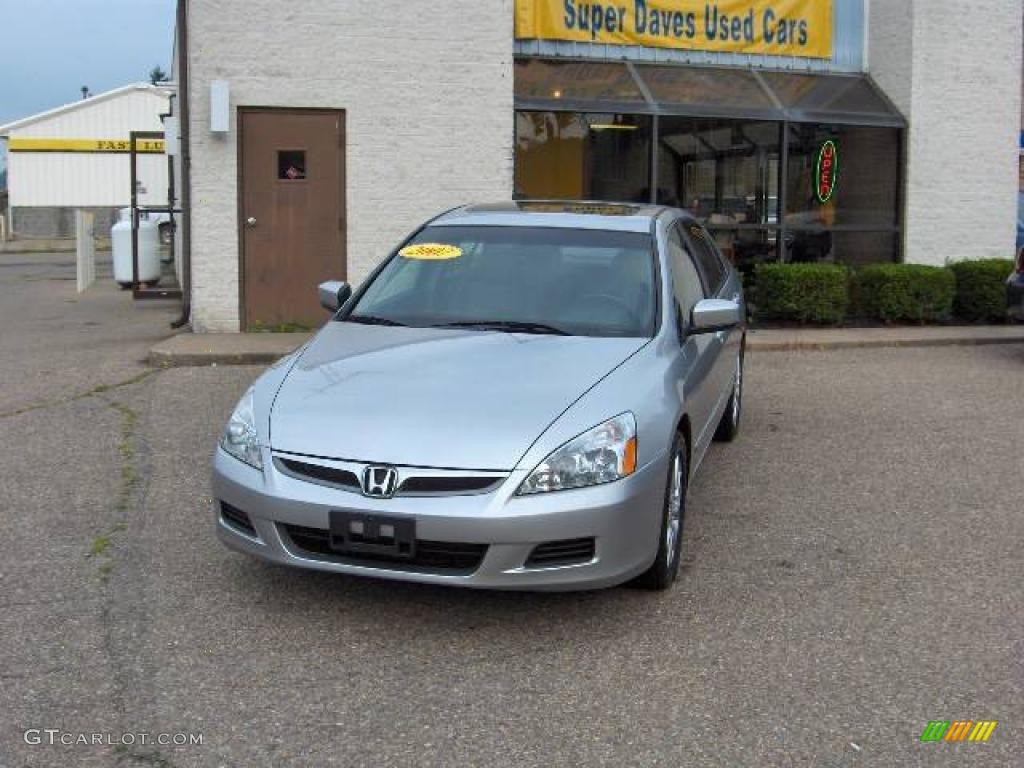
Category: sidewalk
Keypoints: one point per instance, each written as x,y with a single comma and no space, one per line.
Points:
195,349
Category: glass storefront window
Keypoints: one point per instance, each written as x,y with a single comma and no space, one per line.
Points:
864,195
585,130
583,156
726,173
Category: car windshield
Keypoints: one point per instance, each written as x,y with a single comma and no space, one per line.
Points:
517,279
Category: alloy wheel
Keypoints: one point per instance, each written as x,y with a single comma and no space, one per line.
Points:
737,392
674,510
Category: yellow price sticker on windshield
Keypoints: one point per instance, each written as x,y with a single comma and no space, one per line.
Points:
430,251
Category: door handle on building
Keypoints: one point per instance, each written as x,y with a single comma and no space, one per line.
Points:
251,221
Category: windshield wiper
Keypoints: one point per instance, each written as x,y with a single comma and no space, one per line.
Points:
507,326
371,320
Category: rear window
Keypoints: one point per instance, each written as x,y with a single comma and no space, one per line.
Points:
580,282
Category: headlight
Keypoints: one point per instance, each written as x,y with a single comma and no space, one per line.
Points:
603,454
239,438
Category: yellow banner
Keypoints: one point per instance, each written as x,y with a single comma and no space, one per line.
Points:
84,145
772,27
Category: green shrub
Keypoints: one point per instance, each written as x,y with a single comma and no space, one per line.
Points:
907,293
805,293
981,289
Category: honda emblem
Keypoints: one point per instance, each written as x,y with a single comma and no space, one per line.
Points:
380,482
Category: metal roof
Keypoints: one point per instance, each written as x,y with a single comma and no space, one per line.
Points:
586,85
81,103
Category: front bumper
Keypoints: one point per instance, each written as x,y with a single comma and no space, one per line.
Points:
1015,297
623,518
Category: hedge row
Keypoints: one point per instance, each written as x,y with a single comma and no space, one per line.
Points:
828,294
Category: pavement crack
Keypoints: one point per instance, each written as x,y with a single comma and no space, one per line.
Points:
99,389
101,543
123,616
144,758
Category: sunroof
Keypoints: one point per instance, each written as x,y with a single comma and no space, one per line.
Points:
592,209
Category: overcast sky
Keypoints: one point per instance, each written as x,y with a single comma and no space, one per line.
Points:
49,49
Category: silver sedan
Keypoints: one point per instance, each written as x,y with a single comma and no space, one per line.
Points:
517,398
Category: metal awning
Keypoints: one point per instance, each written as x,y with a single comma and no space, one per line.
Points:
571,85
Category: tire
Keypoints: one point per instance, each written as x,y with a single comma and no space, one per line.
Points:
663,571
729,426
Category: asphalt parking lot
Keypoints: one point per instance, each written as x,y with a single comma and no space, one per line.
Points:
853,571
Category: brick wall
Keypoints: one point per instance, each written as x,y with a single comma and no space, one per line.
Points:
953,67
429,115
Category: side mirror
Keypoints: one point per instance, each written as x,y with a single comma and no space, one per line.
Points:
712,315
333,294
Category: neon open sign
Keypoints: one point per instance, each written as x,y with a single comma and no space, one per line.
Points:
826,172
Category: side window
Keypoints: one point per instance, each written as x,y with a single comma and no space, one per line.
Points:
711,267
686,283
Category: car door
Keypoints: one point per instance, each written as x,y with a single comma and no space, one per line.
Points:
694,370
715,278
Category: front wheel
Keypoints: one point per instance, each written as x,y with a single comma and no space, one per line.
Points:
662,573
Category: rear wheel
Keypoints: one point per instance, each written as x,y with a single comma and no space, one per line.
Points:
665,567
729,426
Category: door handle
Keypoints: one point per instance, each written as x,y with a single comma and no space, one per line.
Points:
251,221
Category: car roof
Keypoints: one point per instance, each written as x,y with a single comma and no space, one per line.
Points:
568,214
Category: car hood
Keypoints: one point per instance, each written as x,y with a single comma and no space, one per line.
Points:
433,397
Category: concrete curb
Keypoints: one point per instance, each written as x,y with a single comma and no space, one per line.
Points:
856,338
198,349
201,349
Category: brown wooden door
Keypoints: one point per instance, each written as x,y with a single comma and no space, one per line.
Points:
292,211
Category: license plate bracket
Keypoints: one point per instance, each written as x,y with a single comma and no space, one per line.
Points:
359,533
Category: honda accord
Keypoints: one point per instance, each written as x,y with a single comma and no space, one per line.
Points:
517,398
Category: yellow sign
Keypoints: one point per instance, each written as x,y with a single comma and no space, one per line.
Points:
430,251
84,145
771,27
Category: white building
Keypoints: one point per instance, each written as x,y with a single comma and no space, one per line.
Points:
319,135
77,157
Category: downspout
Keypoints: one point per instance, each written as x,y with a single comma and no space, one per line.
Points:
184,132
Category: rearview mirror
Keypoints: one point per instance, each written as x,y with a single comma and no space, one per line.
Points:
333,294
712,315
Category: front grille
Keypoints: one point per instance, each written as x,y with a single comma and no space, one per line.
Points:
447,557
319,473
422,485
566,552
447,485
237,519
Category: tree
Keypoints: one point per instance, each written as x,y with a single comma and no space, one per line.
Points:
157,75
